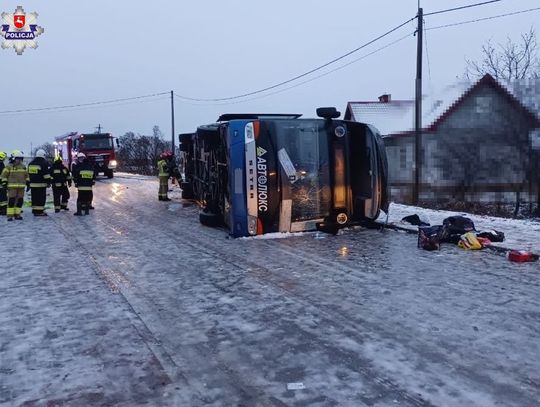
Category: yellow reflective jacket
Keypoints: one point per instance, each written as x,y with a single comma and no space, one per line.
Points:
15,176
163,168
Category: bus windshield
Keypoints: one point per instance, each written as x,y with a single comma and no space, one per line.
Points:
305,171
101,143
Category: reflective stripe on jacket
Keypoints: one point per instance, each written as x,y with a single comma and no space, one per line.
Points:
84,175
39,173
163,168
60,174
15,176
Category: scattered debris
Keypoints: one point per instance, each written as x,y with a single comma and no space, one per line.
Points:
521,256
295,386
468,241
416,220
492,235
429,237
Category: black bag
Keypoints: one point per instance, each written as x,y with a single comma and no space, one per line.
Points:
414,220
429,237
454,227
492,235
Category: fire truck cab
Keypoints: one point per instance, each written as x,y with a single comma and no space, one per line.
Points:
98,148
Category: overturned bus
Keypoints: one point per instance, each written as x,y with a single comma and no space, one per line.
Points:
264,173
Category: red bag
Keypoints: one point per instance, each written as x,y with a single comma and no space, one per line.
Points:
521,256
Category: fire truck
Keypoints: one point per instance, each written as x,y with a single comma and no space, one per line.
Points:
98,148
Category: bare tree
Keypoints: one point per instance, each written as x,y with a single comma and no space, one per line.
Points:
139,153
508,61
48,148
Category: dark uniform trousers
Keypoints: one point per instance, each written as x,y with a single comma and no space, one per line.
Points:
84,200
60,196
3,200
39,196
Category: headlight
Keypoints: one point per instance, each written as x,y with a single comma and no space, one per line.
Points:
113,164
252,225
249,132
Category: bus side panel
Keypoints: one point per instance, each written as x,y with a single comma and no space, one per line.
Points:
237,179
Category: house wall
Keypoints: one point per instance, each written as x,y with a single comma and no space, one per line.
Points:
480,153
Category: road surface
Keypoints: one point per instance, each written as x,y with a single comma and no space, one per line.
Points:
138,304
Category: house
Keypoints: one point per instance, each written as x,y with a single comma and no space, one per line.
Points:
478,143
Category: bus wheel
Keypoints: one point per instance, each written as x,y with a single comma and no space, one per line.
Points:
209,219
187,190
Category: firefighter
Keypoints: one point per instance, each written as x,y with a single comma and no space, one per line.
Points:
174,170
15,178
164,174
84,177
3,191
61,179
39,172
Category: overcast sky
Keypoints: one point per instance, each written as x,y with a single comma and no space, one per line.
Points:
102,50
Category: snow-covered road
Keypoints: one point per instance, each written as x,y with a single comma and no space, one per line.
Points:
137,304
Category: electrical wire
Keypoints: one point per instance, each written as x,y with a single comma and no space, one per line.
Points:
74,108
483,19
81,104
427,59
306,81
461,8
301,75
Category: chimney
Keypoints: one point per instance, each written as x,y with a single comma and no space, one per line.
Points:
386,98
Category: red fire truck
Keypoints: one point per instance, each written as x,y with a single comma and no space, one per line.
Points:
98,148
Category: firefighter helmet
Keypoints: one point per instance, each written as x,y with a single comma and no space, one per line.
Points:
17,154
2,156
81,155
41,153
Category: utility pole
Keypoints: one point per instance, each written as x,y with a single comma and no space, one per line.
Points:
172,122
98,129
418,110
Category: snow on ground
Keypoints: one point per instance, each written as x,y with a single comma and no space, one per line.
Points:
138,304
519,234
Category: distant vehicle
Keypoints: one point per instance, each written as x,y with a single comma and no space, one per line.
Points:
263,173
98,148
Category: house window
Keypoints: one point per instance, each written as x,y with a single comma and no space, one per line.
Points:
483,104
403,157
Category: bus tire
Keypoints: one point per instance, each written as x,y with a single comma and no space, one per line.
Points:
210,219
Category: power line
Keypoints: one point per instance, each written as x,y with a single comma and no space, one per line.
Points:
309,80
81,104
484,19
301,75
427,59
92,107
461,8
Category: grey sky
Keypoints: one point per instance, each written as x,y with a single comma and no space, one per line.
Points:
101,50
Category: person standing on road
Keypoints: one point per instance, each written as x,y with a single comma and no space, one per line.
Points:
14,179
39,172
84,177
163,174
3,191
174,171
61,178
